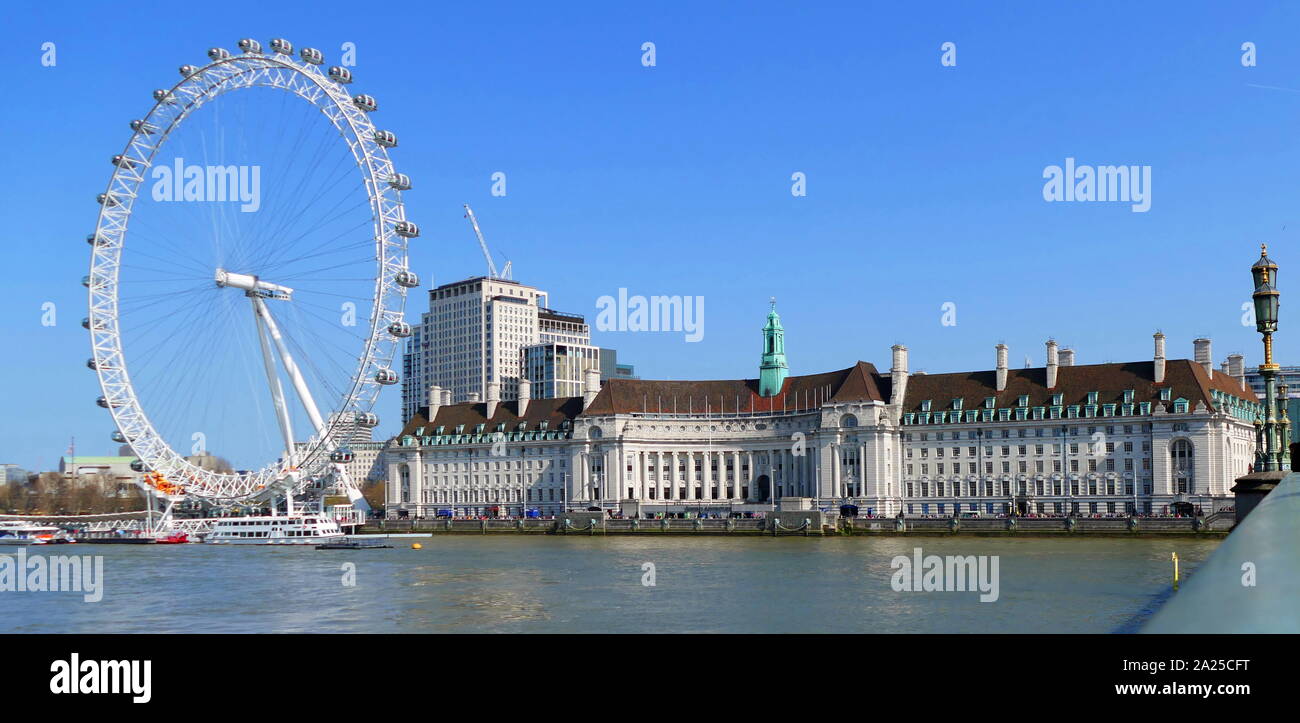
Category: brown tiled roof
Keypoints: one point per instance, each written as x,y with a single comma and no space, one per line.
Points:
626,396
1186,378
470,414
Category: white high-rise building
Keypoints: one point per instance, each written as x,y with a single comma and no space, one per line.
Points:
474,334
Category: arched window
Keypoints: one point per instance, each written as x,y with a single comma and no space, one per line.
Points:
848,420
406,483
1180,453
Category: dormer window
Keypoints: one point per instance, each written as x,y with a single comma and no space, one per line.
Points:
1024,400
925,405
1128,396
956,403
460,429
478,428
542,425
1092,397
989,402
1165,394
438,430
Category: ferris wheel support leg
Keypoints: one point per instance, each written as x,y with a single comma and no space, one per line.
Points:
277,391
291,368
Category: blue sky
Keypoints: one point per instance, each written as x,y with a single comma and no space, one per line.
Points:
924,182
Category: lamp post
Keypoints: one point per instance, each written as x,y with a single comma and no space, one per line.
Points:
1272,454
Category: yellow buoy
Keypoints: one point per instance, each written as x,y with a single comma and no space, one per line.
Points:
416,546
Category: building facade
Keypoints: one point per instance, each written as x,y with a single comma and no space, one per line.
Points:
475,333
559,369
1156,436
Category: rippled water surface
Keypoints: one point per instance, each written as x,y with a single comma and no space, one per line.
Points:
594,584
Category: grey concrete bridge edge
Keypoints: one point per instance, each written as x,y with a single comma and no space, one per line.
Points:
1217,598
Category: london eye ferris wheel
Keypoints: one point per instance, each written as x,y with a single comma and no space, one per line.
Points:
248,274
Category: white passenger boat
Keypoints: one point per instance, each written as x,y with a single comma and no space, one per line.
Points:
18,532
311,528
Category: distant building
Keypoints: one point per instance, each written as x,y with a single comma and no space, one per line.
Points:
1289,376
472,334
114,468
479,332
559,370
611,369
13,474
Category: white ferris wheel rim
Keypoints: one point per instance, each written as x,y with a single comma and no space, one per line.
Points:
202,84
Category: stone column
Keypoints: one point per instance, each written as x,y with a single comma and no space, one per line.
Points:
690,474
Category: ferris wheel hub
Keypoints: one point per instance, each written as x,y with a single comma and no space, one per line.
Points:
253,286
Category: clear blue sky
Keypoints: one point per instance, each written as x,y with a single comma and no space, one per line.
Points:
924,183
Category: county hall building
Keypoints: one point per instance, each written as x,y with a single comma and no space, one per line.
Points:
1155,436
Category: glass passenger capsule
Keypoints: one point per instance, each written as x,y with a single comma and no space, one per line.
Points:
407,279
282,46
386,376
399,329
248,45
400,181
406,229
339,74
311,55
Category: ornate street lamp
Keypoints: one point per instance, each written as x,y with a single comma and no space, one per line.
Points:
1271,453
1272,431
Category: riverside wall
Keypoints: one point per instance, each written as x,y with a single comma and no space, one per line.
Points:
578,523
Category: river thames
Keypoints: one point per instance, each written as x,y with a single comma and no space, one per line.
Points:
573,584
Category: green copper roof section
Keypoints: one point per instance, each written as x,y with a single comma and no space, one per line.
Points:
773,369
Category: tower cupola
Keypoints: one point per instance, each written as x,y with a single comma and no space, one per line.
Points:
773,369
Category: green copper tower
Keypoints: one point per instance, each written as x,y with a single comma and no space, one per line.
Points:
773,370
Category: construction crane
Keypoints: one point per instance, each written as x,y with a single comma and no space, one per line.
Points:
482,244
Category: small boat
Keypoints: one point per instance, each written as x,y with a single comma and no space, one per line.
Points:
17,532
346,544
172,538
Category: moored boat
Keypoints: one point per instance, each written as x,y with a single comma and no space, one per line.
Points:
18,532
312,528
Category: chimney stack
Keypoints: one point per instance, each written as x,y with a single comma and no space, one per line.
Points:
525,395
435,401
1159,358
1052,363
1067,357
1204,357
446,397
472,397
1002,367
1237,368
590,387
493,398
898,376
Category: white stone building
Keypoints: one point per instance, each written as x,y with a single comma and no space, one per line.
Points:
1155,436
